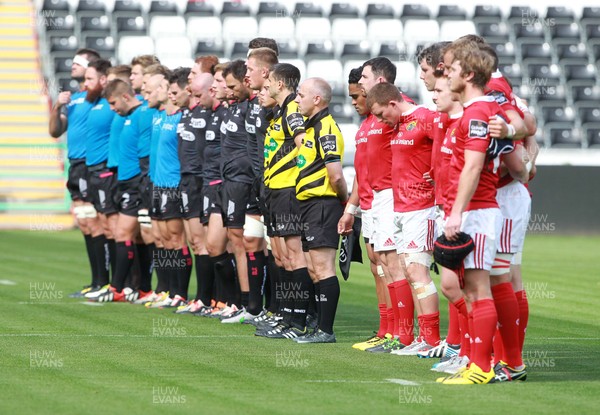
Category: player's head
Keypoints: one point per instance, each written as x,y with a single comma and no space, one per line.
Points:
179,94
201,89
314,95
283,80
431,62
156,89
154,69
444,99
122,72
95,79
383,100
120,96
138,64
259,64
356,93
263,42
466,63
203,64
219,87
379,69
235,79
83,57
264,96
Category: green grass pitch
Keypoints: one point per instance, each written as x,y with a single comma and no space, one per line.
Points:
60,356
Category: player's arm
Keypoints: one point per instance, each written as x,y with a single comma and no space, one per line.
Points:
515,163
337,180
467,184
299,138
347,220
515,130
58,120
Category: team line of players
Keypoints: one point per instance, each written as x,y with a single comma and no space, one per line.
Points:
204,159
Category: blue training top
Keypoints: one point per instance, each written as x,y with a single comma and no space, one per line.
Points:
146,116
167,172
129,162
77,113
98,124
157,121
113,142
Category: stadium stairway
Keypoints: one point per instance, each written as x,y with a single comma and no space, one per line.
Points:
32,190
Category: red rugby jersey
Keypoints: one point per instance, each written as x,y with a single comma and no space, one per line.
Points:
365,194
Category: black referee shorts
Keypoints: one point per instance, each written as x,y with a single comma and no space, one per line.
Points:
320,217
285,212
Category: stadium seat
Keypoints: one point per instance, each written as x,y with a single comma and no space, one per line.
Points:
175,47
406,74
384,30
330,70
394,51
590,13
560,14
239,29
379,11
592,30
518,14
308,9
579,72
343,10
131,46
573,53
591,135
235,8
535,51
288,50
505,51
511,71
596,52
100,25
341,113
553,113
493,31
348,30
546,94
237,50
105,45
60,25
162,8
210,47
583,93
487,13
280,28
204,28
418,32
348,66
198,8
414,12
68,84
355,51
129,26
63,45
451,12
127,8
547,73
62,65
453,29
312,29
271,9
535,30
588,114
564,135
166,26
54,8
569,31
90,8
319,50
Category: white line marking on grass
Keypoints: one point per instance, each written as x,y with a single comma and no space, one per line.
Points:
403,382
92,303
7,282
